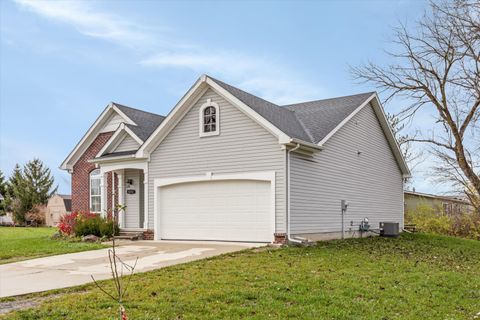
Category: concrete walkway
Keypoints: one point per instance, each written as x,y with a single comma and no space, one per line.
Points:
73,269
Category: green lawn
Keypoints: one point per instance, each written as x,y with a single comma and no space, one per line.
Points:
28,243
414,277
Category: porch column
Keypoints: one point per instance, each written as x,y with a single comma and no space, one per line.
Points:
121,199
103,198
145,198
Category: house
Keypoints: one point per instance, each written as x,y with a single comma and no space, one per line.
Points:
57,206
227,165
439,204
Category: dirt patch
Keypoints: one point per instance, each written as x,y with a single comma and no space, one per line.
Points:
20,303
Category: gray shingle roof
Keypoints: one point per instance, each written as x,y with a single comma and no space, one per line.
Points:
146,122
322,116
307,121
282,118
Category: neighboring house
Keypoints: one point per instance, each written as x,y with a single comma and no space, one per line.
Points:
57,206
227,165
440,204
7,218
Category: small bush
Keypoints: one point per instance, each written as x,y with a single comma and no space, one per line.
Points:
36,216
67,223
108,229
465,225
85,227
84,224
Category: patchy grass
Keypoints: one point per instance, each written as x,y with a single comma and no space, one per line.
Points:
27,243
415,276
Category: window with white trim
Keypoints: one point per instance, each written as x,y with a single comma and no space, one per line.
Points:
95,191
209,119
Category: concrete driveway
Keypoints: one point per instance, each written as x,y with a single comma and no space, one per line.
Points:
73,269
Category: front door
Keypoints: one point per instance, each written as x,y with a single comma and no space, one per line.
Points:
133,199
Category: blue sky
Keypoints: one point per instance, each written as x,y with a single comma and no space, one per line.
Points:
62,62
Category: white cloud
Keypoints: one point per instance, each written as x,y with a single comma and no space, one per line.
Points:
90,22
270,80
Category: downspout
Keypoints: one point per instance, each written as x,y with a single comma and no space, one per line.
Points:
289,237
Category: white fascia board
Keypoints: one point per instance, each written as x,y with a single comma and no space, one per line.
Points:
112,140
387,129
113,158
89,135
117,138
66,165
133,135
282,137
123,115
122,164
156,136
305,143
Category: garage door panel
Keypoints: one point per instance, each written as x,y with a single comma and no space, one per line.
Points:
237,210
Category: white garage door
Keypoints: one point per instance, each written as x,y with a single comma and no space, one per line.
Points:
233,210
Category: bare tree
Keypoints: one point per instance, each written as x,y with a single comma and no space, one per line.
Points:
117,268
405,140
437,66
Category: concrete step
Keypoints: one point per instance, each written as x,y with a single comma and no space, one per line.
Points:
129,235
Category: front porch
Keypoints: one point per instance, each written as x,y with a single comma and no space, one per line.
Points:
126,185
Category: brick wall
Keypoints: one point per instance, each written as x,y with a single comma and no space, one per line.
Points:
81,172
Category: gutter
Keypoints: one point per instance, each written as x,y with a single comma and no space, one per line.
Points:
289,237
114,158
305,143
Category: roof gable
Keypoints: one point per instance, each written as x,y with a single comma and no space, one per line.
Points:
320,117
140,125
110,114
187,102
122,133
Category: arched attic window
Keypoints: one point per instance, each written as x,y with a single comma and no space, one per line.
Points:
209,119
95,191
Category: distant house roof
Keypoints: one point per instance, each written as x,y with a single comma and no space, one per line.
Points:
67,200
439,197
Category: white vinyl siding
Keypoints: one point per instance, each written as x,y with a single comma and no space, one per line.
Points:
371,181
241,146
112,123
127,144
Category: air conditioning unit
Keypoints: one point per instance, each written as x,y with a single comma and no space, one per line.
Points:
389,229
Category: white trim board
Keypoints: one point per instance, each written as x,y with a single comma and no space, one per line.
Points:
117,138
158,183
90,136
